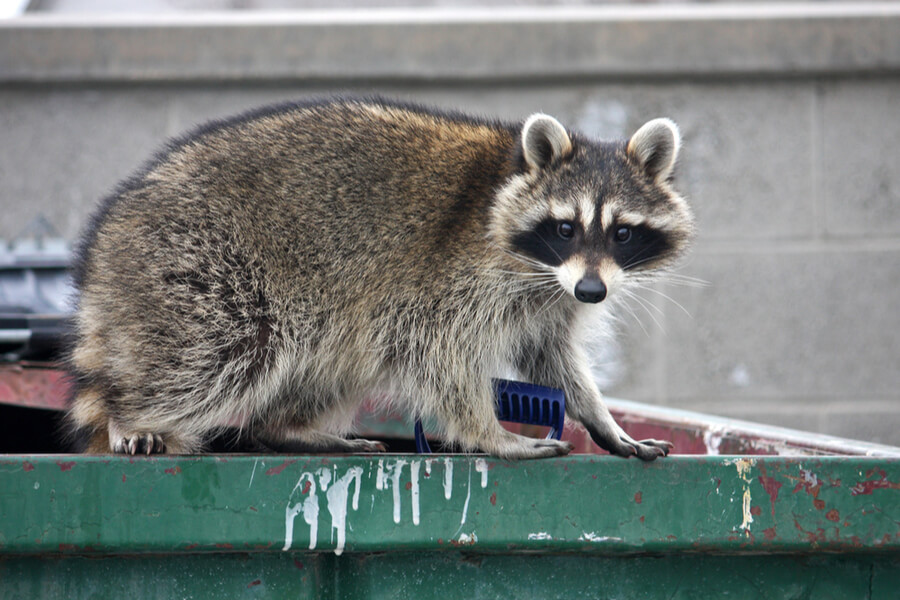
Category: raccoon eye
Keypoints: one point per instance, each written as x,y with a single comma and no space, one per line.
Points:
623,235
565,230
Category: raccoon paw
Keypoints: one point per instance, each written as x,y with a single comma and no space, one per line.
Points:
139,443
526,448
366,446
648,449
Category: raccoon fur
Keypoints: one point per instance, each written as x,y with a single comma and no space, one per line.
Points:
277,269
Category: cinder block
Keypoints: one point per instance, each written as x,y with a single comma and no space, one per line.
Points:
859,170
66,148
814,325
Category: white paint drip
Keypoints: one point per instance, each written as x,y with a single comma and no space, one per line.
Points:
428,462
309,506
337,504
414,490
743,466
482,467
252,473
712,439
468,496
448,478
396,472
540,535
324,478
379,478
590,536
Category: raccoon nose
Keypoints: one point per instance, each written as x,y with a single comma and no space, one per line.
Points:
590,290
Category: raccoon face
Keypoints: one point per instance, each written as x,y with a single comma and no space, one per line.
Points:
595,215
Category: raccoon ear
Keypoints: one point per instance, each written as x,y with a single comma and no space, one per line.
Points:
544,140
655,147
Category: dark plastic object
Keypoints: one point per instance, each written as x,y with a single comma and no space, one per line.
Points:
35,300
519,402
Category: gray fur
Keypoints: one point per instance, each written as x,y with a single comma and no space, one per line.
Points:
278,269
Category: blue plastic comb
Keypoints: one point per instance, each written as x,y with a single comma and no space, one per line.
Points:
519,402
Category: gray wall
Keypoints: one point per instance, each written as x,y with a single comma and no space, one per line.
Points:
792,138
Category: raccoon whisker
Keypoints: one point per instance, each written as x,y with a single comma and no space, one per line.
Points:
630,309
634,262
525,259
555,297
685,280
667,297
553,250
645,304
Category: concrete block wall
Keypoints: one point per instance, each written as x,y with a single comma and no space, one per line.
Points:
790,160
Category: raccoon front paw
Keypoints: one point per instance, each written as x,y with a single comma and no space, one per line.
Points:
139,443
524,448
649,449
366,446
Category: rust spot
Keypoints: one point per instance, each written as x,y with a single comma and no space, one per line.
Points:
865,488
66,547
494,499
254,583
771,485
253,508
409,485
124,478
298,564
833,515
755,511
191,546
65,466
277,470
27,466
638,497
225,546
819,504
769,533
174,470
306,487
641,519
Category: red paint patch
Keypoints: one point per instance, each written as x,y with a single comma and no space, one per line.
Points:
306,487
123,478
771,485
27,466
769,533
409,485
642,519
865,488
254,583
494,499
65,466
277,470
298,564
174,470
833,515
755,511
638,497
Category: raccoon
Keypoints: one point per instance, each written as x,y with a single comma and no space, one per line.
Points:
277,269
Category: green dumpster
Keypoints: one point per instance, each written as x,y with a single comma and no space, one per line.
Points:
792,516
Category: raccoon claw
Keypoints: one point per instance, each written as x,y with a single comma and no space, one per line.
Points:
140,443
367,446
650,449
